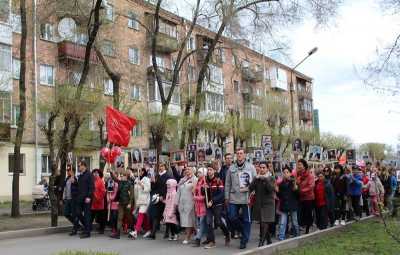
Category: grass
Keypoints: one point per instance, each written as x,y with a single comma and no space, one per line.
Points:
364,238
86,253
8,223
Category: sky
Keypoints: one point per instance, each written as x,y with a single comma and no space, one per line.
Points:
346,106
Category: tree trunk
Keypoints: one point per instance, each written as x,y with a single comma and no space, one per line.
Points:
103,143
15,210
184,124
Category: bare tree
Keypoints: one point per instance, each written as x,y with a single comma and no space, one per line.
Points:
15,212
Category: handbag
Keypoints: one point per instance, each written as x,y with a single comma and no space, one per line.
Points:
252,199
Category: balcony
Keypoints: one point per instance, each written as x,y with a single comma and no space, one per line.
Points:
304,93
251,75
164,43
249,94
305,115
156,107
74,51
165,73
216,59
5,132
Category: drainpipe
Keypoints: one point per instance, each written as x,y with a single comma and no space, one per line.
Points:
34,4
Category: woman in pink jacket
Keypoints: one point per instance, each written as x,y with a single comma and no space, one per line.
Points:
200,206
170,211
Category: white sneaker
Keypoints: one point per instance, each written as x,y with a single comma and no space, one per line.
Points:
175,238
342,222
336,222
185,242
133,234
147,234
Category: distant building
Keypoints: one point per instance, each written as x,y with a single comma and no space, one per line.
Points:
316,120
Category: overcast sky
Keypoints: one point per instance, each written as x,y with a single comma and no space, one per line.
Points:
346,106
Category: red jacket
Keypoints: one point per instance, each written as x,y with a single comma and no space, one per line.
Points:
306,184
320,197
365,181
98,194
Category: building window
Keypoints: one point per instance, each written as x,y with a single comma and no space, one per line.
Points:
108,87
5,58
108,48
236,86
4,11
5,108
216,74
81,38
11,163
191,43
92,122
47,32
16,23
16,68
168,29
43,119
133,20
15,114
109,12
135,92
137,129
214,102
133,56
46,167
46,75
75,77
154,93
160,61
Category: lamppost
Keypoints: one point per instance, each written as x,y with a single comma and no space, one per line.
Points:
292,70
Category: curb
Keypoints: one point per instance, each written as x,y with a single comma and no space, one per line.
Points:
33,232
297,241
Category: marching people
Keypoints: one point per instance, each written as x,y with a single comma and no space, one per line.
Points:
142,198
70,195
125,197
200,206
306,183
288,194
112,201
323,200
375,191
214,195
339,182
185,203
99,194
264,207
170,211
157,196
238,179
84,200
355,187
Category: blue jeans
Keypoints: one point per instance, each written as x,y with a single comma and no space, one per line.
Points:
202,224
283,223
244,225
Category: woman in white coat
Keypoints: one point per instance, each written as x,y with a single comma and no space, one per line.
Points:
142,198
185,203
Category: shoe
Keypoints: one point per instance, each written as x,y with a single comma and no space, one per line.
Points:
242,246
116,234
185,242
196,243
100,232
227,240
84,235
210,245
73,233
205,242
169,238
132,234
166,237
151,237
147,234
342,222
336,222
261,243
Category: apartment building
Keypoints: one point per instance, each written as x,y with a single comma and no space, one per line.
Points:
239,78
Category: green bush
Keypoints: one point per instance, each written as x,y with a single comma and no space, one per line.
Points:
86,253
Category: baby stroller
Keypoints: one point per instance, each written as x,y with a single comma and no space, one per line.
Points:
41,201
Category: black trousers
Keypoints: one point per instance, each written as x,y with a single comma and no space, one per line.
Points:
365,204
321,215
214,215
100,217
306,218
340,207
355,203
83,214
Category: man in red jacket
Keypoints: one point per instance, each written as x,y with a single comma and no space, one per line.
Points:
99,194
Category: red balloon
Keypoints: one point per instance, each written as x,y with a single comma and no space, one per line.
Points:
105,152
116,151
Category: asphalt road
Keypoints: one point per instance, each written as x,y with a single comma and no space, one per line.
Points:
52,244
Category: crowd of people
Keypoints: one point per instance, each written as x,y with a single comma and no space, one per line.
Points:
229,195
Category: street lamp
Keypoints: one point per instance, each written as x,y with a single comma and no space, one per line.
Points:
292,70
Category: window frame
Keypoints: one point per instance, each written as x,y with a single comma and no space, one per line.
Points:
106,90
133,22
40,75
135,93
23,173
15,75
132,54
48,167
45,29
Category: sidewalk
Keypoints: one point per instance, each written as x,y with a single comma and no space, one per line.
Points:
28,222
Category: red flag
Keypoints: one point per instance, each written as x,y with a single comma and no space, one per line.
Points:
119,127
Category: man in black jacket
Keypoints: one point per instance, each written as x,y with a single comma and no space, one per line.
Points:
84,199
